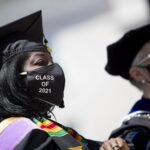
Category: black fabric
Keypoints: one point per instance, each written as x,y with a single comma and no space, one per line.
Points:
120,54
27,27
138,136
25,34
93,145
47,84
68,142
21,46
135,131
37,140
40,140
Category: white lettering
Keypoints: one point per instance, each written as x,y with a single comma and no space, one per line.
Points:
37,77
44,90
45,77
44,84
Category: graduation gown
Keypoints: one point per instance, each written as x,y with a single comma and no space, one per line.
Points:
23,134
135,128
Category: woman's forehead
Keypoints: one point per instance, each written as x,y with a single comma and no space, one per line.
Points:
39,53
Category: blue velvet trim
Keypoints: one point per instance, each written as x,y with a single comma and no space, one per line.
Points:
142,104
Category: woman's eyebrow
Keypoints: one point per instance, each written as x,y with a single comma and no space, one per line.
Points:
41,55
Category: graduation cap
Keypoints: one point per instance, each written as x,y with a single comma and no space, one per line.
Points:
25,34
122,53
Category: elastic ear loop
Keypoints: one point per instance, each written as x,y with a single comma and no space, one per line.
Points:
50,113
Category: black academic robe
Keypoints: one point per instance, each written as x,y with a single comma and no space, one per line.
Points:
40,140
136,132
135,128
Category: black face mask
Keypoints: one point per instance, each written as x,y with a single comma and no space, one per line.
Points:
47,84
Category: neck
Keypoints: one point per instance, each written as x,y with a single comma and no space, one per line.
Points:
146,93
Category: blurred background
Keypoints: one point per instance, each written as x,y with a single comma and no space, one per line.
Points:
79,31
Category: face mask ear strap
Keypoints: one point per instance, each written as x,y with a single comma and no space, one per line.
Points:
143,60
140,66
144,67
23,73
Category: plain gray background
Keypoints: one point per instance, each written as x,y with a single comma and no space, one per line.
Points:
78,32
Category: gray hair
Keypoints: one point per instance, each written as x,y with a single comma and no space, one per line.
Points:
137,60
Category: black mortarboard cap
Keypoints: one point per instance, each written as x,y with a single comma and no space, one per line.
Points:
122,53
25,34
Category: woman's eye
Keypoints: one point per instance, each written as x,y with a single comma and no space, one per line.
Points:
41,62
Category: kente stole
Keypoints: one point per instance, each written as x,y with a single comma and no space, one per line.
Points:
13,130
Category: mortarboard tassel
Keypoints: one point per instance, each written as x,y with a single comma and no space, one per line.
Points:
46,44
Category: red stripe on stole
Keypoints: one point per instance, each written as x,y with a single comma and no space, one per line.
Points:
51,125
74,134
42,126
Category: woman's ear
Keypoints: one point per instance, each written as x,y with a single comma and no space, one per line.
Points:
136,73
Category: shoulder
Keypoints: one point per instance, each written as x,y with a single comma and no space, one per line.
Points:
13,130
36,139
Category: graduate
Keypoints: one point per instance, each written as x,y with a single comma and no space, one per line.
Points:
31,85
129,58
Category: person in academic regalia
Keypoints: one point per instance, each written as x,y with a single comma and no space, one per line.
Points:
130,58
31,85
